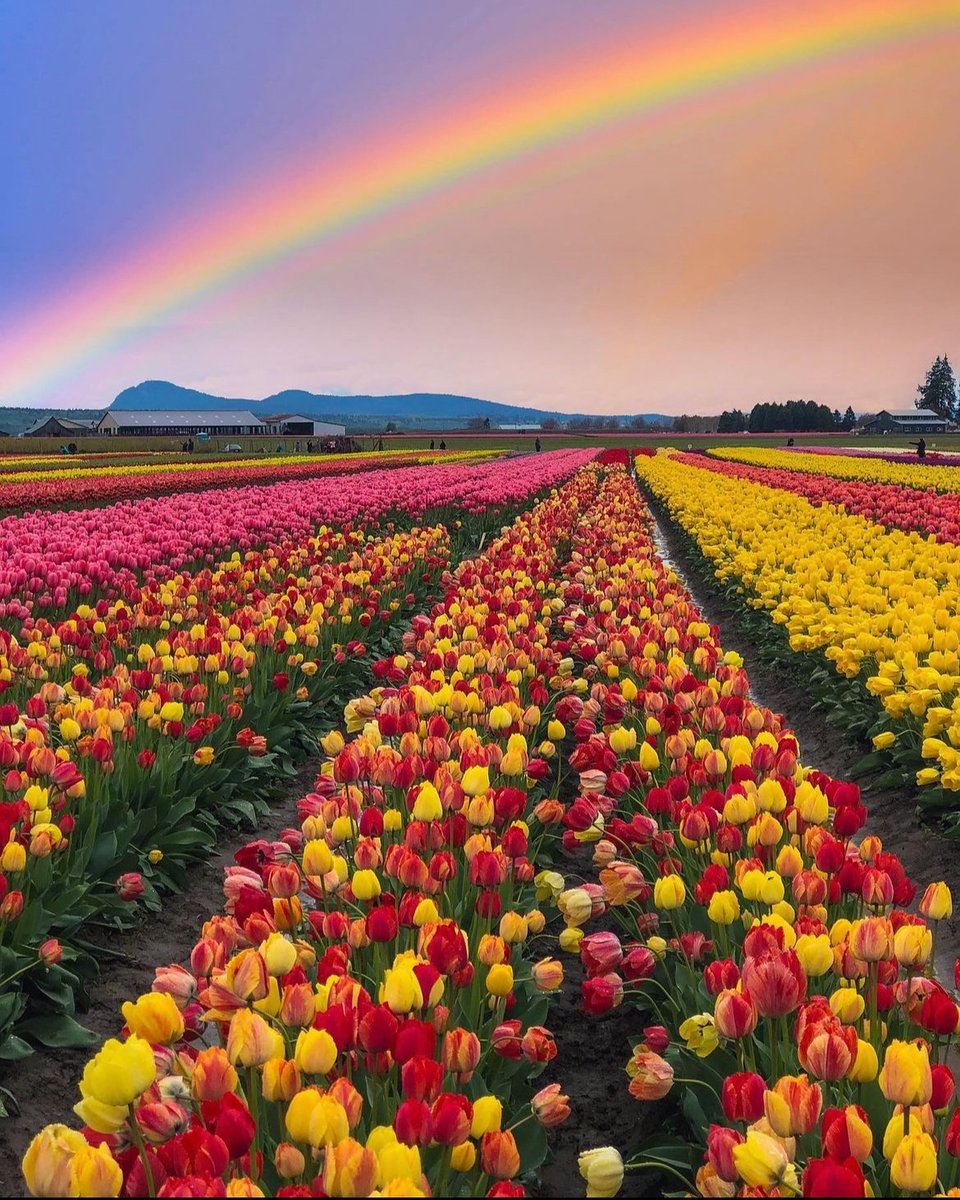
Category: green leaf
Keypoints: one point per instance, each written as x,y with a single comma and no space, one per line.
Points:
104,856
532,1144
58,1032
13,1048
869,762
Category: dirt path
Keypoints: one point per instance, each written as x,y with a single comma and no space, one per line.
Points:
892,816
592,1054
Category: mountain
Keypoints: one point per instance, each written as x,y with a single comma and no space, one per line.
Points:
417,409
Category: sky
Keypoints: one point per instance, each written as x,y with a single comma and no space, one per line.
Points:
616,207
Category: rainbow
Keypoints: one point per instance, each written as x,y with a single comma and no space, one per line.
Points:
320,205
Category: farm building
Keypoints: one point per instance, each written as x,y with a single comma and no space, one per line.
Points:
295,425
180,423
61,427
905,420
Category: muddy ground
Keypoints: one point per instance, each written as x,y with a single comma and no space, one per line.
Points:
592,1053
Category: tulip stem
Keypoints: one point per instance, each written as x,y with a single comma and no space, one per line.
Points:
254,1106
702,1083
137,1138
659,1166
774,1037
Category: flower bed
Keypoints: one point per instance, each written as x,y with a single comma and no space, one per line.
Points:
880,606
893,505
57,559
100,483
845,466
366,1016
794,1017
132,730
367,1013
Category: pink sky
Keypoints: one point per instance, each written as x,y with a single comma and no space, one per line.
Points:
796,240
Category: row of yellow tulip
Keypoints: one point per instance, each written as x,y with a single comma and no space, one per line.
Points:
882,605
846,466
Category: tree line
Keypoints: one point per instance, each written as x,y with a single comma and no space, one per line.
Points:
796,416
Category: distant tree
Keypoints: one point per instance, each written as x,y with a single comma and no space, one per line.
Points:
550,423
390,427
837,418
796,416
681,424
486,422
732,422
938,392
476,423
826,420
848,420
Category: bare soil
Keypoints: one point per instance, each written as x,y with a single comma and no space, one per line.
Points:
592,1054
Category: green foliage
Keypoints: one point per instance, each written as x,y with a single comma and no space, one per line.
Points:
938,392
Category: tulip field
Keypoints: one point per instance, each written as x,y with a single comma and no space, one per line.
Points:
536,762
861,576
26,483
160,659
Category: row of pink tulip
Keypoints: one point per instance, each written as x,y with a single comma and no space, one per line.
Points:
50,558
65,484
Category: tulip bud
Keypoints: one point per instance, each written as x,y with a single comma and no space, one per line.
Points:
289,1161
602,1169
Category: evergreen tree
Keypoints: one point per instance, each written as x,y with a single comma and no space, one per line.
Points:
849,419
938,392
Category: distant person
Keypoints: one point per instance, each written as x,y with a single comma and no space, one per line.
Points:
537,445
443,444
190,446
296,446
921,448
183,447
790,441
432,444
380,443
279,447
